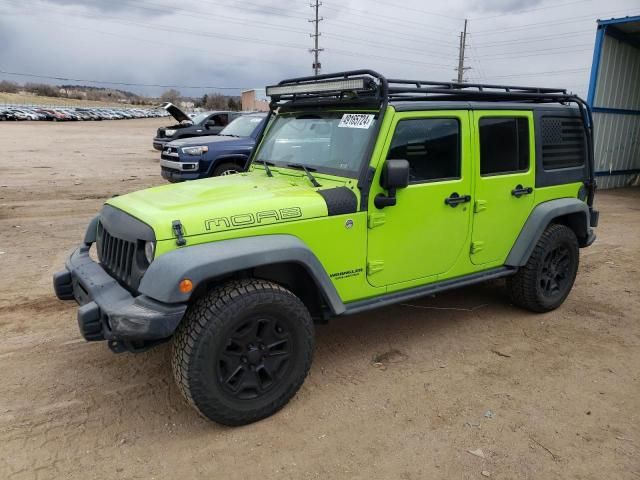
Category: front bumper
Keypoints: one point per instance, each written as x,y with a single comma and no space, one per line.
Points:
107,310
159,143
181,166
177,175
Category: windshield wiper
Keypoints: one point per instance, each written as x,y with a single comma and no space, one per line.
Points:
266,164
307,171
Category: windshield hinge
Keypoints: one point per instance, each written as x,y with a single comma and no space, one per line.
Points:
479,206
376,220
375,266
179,233
476,246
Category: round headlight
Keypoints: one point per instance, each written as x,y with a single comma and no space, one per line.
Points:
149,251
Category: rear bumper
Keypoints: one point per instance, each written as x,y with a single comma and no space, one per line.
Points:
107,310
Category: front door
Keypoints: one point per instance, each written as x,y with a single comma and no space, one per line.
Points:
504,150
427,230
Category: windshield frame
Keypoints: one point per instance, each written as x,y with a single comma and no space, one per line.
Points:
322,169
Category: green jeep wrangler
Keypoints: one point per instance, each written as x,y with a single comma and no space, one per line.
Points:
363,192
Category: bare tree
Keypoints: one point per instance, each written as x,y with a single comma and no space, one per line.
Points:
171,95
42,89
216,101
9,87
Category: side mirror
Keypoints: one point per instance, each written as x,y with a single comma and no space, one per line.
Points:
395,174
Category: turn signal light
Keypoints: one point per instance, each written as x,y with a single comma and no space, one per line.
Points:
185,286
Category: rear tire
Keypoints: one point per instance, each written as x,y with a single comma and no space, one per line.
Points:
226,169
545,281
243,351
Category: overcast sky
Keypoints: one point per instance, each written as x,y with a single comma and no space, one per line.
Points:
247,44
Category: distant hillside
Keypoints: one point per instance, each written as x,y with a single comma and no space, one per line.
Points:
29,99
75,92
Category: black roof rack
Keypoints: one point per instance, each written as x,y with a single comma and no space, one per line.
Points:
370,87
376,86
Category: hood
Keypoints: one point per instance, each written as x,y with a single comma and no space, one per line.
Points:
175,112
204,140
224,203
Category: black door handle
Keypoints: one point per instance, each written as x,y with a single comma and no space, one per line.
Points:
519,191
454,199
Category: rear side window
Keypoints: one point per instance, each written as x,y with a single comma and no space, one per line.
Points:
430,145
504,145
563,143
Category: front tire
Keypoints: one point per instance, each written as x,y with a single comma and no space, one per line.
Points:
226,169
243,351
545,281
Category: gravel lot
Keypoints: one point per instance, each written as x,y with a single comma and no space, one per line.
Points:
400,393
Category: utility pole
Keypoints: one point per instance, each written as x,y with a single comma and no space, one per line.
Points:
316,50
463,45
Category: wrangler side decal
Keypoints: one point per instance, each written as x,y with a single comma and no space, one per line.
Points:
258,218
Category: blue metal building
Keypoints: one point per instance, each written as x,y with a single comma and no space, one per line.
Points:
614,96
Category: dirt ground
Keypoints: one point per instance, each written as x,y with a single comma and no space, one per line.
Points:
405,392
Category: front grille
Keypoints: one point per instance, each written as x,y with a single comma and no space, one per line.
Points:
170,153
116,255
160,133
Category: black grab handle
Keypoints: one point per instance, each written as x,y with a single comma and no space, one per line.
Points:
454,199
519,191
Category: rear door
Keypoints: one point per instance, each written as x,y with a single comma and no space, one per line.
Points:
504,146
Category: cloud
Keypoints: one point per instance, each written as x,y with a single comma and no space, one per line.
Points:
117,6
504,6
252,43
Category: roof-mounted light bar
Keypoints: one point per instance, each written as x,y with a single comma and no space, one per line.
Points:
350,84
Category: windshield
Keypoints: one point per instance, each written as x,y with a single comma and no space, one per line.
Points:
201,117
242,126
330,142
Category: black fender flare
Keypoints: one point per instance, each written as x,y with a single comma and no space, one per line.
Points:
204,262
541,216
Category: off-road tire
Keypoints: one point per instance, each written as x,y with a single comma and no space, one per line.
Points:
527,287
226,169
209,328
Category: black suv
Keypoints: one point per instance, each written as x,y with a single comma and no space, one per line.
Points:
206,123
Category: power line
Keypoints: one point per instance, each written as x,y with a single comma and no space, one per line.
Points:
200,13
519,53
168,28
386,45
530,10
531,40
405,7
526,26
316,36
498,59
535,74
386,19
390,59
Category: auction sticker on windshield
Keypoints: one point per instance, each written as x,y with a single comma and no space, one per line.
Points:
356,120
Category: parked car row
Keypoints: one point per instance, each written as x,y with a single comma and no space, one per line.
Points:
56,114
